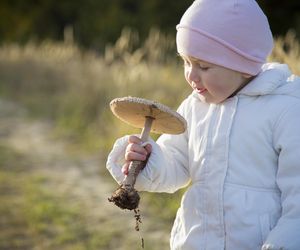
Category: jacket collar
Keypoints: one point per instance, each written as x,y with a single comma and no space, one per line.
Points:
271,77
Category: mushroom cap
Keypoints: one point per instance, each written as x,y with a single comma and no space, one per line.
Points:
134,110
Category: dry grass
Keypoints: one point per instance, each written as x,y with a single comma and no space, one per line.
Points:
287,50
73,87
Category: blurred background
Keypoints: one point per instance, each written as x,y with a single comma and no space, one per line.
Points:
61,63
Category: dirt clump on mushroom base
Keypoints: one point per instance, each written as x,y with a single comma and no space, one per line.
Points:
125,198
129,199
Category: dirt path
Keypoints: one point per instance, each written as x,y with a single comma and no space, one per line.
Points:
77,177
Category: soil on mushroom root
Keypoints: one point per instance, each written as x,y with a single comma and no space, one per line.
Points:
125,198
138,221
128,199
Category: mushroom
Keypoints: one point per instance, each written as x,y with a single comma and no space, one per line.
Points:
150,116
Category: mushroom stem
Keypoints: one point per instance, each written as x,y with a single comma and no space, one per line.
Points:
136,166
147,127
126,197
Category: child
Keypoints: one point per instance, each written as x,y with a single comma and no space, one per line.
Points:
241,151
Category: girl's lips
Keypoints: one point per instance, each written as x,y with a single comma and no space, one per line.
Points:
200,91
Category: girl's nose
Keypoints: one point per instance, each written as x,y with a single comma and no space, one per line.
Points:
193,76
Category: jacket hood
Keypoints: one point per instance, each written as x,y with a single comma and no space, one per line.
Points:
274,79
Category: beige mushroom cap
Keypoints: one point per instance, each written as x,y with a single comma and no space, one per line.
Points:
134,110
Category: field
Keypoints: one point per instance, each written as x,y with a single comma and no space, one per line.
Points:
56,130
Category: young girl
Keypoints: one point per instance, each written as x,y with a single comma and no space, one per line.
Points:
241,150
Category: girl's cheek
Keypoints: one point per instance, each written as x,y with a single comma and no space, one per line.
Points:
187,80
186,76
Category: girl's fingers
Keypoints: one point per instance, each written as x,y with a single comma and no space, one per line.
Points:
137,148
135,151
148,148
134,139
133,156
125,168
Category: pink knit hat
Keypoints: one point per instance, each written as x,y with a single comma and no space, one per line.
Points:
234,34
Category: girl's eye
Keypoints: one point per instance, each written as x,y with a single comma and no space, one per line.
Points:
203,67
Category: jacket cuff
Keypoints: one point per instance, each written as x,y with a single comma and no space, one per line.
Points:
146,177
115,159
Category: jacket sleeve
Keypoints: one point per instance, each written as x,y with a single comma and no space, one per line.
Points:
167,166
285,235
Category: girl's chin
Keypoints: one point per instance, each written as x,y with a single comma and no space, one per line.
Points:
209,99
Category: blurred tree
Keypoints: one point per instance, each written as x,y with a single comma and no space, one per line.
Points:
282,15
95,23
35,19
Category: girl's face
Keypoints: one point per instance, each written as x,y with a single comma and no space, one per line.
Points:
213,83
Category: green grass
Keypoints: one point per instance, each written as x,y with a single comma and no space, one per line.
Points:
30,214
34,216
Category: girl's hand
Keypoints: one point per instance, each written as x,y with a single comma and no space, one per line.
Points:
135,152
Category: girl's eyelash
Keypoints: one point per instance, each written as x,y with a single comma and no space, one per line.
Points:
203,68
186,63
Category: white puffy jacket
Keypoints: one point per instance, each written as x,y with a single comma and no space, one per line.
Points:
242,160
